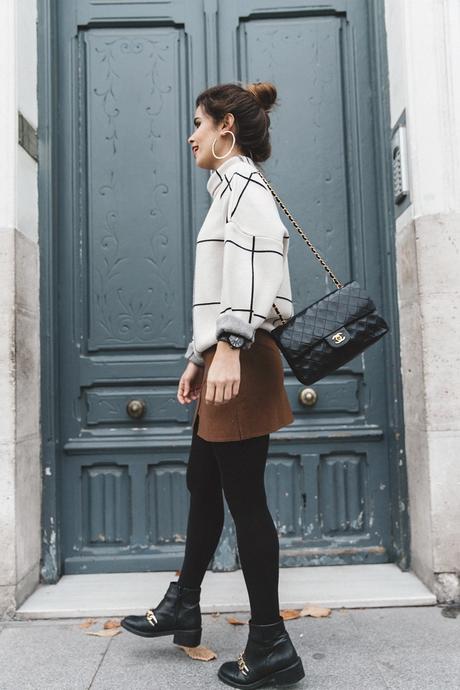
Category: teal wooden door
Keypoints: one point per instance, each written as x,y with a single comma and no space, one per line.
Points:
131,202
328,480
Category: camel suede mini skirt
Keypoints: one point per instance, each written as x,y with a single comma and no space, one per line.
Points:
261,406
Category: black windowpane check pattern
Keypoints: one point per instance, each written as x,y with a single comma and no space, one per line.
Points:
241,258
252,273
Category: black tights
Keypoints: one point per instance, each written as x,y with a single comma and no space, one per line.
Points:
237,468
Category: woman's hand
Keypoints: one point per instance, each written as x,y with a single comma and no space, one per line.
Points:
223,381
190,383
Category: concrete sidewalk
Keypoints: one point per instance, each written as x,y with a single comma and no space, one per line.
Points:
414,647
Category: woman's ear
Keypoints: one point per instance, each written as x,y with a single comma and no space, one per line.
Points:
229,120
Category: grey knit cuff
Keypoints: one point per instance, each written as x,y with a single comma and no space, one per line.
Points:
193,356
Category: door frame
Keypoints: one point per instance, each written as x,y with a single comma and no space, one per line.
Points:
47,48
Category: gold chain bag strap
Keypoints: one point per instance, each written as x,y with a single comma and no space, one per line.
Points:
330,332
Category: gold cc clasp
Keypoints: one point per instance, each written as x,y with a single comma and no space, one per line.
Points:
338,337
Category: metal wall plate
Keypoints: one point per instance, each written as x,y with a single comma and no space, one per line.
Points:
27,136
400,164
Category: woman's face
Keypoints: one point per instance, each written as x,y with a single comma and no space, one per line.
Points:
203,136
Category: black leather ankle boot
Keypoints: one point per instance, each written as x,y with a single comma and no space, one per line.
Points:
269,655
178,614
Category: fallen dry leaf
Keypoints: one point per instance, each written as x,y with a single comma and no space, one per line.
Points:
235,621
315,611
87,623
105,633
201,653
215,614
288,614
111,623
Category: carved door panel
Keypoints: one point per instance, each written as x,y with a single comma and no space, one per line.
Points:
130,203
328,479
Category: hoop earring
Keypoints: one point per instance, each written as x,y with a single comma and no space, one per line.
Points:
227,131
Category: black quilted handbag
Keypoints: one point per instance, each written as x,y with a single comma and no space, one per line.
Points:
330,332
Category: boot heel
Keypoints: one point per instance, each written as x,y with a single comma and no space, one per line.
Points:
291,674
187,638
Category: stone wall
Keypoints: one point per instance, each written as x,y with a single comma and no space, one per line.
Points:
424,65
20,471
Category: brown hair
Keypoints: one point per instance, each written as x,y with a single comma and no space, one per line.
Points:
250,105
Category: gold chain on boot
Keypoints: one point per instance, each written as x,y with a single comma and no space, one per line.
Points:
151,617
242,664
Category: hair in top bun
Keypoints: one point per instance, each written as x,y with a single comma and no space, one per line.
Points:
265,93
250,105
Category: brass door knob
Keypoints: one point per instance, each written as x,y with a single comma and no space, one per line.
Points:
136,408
308,397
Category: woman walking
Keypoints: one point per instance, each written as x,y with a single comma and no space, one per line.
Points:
235,373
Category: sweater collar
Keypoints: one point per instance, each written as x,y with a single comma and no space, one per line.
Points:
217,175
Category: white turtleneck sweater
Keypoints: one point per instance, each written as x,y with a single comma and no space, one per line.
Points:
241,259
